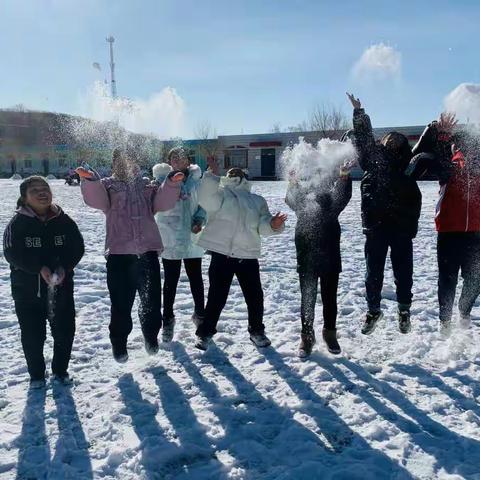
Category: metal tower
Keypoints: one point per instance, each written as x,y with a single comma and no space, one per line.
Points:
113,85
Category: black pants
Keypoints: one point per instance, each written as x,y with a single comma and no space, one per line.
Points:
309,289
32,317
220,273
127,274
455,252
401,255
171,268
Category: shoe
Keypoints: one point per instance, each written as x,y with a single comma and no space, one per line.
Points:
151,345
306,345
330,338
202,343
445,327
168,329
120,353
371,321
37,383
197,319
464,320
404,323
63,379
260,339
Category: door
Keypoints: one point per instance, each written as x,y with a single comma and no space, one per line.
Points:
268,162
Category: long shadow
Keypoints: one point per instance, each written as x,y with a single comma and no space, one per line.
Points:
72,445
191,433
331,424
255,428
428,379
466,380
429,435
33,447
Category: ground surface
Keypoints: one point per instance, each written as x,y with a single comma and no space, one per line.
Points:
392,406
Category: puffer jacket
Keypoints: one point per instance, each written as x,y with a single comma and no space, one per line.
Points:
175,225
317,204
129,208
236,217
458,206
391,200
29,243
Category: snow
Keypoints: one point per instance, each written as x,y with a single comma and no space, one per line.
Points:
391,406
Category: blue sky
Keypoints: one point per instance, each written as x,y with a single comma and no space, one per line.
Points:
241,65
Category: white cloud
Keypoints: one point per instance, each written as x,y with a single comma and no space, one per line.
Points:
162,114
378,61
464,101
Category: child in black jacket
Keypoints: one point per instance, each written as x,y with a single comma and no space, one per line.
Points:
391,204
43,245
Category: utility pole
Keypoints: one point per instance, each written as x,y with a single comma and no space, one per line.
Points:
113,85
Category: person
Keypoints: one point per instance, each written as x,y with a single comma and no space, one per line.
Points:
455,160
236,219
318,202
179,228
132,244
391,203
43,245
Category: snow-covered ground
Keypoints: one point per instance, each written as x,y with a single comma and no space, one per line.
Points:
391,406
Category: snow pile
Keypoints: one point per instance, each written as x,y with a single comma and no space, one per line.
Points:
391,406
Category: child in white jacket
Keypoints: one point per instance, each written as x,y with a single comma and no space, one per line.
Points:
236,219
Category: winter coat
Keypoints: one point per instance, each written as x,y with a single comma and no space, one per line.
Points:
458,206
236,217
391,200
29,243
129,208
175,225
317,205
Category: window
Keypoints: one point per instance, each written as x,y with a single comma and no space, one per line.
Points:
62,160
236,158
27,161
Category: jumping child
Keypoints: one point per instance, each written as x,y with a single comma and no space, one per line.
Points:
132,243
43,245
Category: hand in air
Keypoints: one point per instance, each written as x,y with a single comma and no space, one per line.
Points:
58,276
447,122
196,228
354,101
82,172
213,165
278,220
346,167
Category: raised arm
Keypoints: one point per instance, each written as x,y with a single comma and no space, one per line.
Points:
95,194
167,193
363,134
342,193
209,195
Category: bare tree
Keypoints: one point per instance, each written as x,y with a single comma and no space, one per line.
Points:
208,145
328,119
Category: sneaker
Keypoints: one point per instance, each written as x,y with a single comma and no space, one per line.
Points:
260,339
197,319
120,353
330,338
202,343
445,327
404,323
306,345
151,345
63,379
37,383
168,329
464,320
371,321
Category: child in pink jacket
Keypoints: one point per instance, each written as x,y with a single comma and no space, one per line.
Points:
132,245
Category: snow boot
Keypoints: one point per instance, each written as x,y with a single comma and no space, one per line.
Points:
63,379
151,345
197,319
306,344
120,353
260,340
168,329
445,327
37,383
202,343
404,323
330,339
371,321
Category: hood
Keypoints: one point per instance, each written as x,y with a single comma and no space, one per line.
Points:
55,211
235,183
